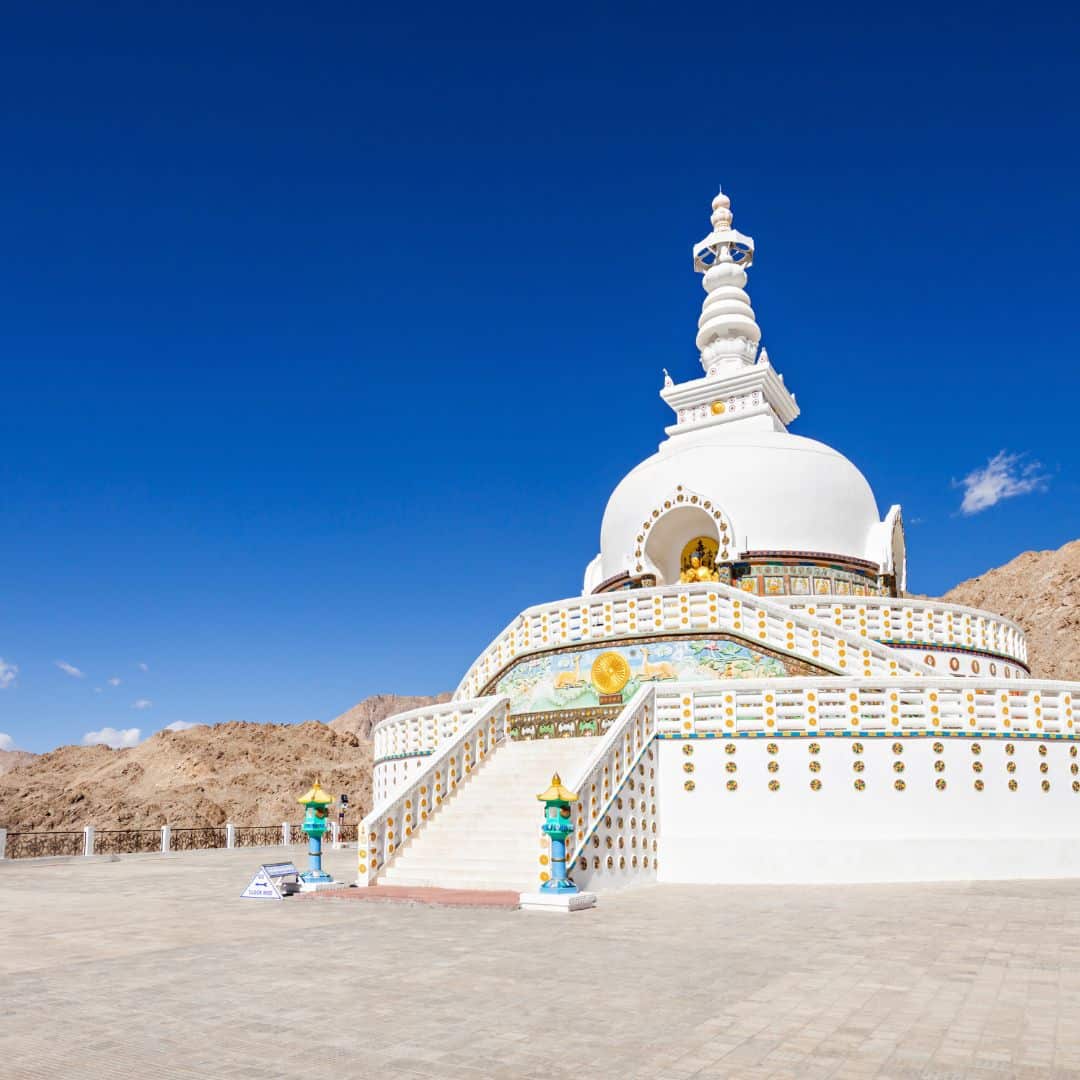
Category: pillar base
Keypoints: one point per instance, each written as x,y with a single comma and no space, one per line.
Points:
319,886
557,901
560,886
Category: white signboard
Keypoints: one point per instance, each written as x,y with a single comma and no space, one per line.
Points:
273,881
262,887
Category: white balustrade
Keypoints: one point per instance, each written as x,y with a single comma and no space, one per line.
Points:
394,821
822,705
403,742
615,815
917,621
683,609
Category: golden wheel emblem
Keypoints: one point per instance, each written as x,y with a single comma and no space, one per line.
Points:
610,672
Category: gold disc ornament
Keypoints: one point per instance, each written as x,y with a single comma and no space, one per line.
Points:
610,672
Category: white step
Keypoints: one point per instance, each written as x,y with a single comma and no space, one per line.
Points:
487,834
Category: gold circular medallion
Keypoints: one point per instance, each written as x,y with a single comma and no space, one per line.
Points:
610,672
718,408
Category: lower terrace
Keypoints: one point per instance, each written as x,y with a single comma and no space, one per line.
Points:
152,965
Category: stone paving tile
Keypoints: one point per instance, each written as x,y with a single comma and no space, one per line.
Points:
153,967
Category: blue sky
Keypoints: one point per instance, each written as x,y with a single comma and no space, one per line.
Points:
325,335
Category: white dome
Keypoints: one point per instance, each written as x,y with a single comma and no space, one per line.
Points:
772,490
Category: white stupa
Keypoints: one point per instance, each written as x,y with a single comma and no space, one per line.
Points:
743,692
773,497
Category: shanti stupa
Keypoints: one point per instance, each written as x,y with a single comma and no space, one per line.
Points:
742,693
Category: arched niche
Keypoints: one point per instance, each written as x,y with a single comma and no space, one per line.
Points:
669,535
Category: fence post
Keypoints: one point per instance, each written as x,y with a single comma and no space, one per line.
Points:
88,840
335,834
166,839
230,836
3,842
285,833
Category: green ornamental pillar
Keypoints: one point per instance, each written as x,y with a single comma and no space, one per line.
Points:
315,825
558,825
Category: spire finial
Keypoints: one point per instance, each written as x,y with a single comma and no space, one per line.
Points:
727,336
721,211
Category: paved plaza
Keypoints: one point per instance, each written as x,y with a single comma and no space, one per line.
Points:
154,967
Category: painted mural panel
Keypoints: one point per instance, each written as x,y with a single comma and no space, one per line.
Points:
563,681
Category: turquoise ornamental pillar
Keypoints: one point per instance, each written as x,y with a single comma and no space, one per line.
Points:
558,825
315,825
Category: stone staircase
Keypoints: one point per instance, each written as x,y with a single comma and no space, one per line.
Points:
488,835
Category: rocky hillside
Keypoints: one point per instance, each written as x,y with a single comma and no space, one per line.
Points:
12,759
1041,591
248,774
360,719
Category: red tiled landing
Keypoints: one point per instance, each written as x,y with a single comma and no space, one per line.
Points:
421,895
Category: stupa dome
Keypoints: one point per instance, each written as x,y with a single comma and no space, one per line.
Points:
774,492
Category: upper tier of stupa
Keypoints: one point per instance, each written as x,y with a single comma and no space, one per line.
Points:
731,494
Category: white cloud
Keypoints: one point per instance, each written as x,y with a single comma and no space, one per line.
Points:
70,669
97,689
114,681
108,736
142,703
6,742
180,725
8,672
1004,476
144,667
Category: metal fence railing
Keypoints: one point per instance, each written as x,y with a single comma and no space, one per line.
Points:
198,838
40,844
124,841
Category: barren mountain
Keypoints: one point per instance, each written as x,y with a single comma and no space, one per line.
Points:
247,774
1041,591
12,759
360,719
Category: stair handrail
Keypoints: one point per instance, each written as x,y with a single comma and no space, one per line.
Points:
395,821
610,765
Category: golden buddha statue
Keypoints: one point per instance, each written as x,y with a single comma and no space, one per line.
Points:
698,571
700,566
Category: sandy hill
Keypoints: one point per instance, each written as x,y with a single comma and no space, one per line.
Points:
249,774
360,719
1041,591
